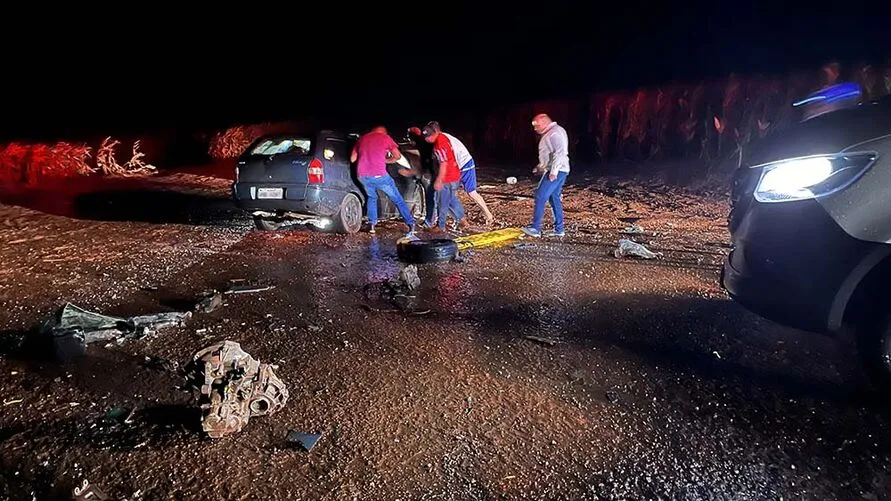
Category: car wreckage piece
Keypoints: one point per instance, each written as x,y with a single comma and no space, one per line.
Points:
233,388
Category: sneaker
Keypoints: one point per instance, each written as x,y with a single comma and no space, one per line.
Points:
532,232
371,229
459,226
559,234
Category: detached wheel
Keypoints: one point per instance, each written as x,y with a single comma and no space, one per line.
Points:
264,224
874,344
427,251
349,217
418,204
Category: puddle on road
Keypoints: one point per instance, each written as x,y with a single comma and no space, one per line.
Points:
382,263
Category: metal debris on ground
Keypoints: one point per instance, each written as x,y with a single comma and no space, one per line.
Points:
543,340
634,249
87,492
234,387
72,328
246,289
210,302
407,279
306,440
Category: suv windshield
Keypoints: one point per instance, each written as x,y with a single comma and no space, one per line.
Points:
280,146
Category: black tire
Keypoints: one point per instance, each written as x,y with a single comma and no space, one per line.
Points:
349,217
264,224
427,251
874,345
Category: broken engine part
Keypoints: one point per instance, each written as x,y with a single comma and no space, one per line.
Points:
233,388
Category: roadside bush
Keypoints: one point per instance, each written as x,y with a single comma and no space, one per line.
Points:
31,164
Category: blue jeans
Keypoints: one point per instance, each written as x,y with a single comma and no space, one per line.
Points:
447,201
549,191
387,186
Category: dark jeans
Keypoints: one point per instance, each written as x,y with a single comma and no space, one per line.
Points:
549,191
387,186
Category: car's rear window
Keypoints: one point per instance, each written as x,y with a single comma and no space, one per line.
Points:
282,145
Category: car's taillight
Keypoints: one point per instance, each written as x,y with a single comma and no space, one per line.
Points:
315,172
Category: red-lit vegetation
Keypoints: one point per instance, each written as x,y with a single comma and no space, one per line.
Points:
706,121
703,122
233,141
31,164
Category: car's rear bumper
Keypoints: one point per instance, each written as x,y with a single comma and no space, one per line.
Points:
297,198
789,262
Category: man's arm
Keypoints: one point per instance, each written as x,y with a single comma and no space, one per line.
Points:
395,155
442,157
559,146
544,155
393,148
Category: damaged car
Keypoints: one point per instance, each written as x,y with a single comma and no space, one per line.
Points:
284,179
810,223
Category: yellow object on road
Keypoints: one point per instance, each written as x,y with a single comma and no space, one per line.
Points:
488,238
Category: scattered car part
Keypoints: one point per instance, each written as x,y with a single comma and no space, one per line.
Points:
629,248
408,278
233,388
427,251
210,303
542,340
246,289
87,492
72,328
306,440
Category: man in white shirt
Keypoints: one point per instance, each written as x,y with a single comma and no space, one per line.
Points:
553,165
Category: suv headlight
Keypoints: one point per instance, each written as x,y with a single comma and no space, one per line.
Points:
811,177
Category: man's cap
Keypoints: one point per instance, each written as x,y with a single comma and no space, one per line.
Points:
431,128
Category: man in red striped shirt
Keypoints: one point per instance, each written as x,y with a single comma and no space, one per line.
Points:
448,178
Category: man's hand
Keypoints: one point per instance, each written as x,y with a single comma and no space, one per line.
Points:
552,176
539,169
437,185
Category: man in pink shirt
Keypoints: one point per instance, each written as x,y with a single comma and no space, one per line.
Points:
374,151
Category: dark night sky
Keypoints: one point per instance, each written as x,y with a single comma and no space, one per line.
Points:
180,67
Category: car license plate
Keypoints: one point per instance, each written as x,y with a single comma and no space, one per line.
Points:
267,193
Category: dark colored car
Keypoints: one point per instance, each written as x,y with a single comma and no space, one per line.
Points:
810,222
308,179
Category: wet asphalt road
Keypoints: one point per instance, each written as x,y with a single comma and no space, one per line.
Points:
658,386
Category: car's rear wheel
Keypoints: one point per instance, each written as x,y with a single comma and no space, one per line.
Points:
349,217
265,224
